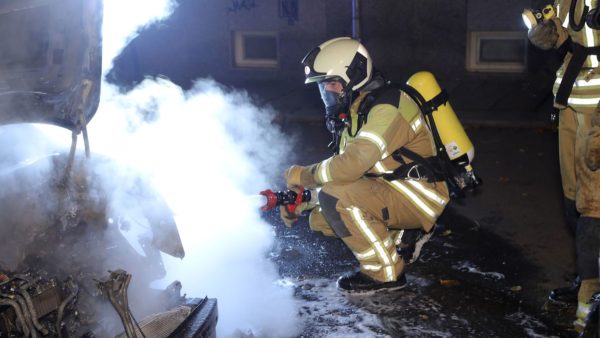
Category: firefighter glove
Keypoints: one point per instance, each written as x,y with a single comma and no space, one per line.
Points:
299,176
289,218
544,35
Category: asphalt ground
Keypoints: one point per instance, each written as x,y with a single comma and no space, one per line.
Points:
486,272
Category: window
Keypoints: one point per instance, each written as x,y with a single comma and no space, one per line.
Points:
255,49
497,51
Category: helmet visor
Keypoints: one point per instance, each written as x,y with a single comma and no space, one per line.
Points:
330,99
336,104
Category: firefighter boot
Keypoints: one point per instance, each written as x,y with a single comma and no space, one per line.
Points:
565,296
587,241
359,283
588,326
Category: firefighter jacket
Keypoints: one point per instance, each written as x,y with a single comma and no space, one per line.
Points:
394,121
586,89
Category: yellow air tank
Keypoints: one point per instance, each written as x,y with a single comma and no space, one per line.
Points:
451,131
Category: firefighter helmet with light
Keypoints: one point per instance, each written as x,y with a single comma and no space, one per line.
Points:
533,17
340,58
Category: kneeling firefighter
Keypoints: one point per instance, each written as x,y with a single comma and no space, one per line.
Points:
385,175
572,28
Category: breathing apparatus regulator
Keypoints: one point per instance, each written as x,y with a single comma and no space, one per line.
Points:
347,61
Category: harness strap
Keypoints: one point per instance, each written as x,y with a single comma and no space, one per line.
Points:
580,53
427,107
425,168
427,163
365,106
435,168
441,160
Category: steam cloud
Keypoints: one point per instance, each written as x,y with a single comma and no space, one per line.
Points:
205,150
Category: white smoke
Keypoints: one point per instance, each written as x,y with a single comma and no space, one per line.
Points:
124,19
205,150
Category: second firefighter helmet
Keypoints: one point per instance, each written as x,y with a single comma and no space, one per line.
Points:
342,58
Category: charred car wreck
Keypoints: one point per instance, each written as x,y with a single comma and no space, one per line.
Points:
69,265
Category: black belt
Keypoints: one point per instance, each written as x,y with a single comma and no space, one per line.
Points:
424,168
414,171
410,171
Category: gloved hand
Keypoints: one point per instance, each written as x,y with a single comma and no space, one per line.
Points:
299,176
548,34
289,218
592,144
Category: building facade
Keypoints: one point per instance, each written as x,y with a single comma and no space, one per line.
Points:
477,48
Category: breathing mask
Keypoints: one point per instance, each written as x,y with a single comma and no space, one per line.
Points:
336,108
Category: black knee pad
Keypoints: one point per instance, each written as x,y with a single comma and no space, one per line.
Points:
331,215
587,242
571,215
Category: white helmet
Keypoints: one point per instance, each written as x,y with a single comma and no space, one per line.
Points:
342,58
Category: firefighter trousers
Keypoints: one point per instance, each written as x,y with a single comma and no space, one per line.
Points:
581,184
368,216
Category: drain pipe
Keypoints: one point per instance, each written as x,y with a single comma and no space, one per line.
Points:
356,19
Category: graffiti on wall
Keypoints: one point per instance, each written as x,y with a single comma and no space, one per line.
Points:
241,5
288,9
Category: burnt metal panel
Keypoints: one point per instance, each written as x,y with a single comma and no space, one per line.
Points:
50,61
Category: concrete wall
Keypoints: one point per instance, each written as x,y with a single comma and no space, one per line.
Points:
196,41
403,36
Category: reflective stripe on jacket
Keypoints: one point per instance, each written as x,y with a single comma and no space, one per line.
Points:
394,121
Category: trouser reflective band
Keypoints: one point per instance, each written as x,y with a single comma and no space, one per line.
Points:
370,253
383,256
371,267
398,237
414,199
583,310
367,265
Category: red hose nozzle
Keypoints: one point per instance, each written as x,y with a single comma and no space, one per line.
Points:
271,200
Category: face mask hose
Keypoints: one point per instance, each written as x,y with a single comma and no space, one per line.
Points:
336,113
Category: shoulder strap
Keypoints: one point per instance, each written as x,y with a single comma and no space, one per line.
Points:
442,162
427,108
368,102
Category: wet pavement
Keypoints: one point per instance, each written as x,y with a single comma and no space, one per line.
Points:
485,273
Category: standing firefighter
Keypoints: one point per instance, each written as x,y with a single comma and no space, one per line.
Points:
572,28
356,203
